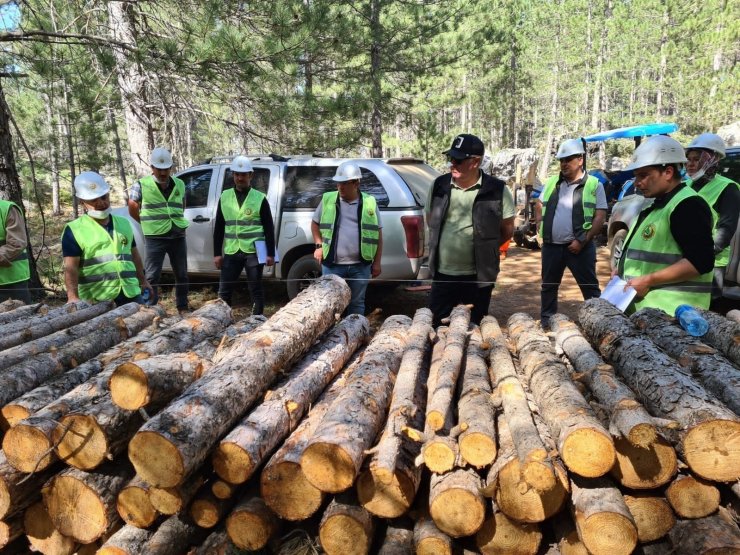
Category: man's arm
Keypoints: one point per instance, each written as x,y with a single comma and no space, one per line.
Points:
140,275
71,277
133,210
375,269
728,209
678,271
537,213
318,254
15,237
507,229
596,225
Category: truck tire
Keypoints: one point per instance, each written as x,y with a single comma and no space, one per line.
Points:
301,274
616,247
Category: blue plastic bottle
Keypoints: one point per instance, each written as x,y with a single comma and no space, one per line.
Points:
145,297
690,320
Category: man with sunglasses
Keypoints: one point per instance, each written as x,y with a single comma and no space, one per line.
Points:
470,214
569,213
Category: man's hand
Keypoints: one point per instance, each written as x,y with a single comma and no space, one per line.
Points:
72,298
217,261
641,284
575,246
270,261
145,285
318,255
375,269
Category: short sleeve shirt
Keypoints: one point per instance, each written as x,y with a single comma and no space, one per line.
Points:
562,223
134,193
347,240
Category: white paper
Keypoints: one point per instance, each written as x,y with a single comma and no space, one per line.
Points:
261,248
615,293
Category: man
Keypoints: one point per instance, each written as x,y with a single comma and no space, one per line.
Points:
347,234
14,269
569,214
243,218
157,201
470,214
101,262
668,253
722,195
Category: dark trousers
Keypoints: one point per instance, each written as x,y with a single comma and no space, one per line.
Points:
555,259
18,291
231,268
449,291
177,251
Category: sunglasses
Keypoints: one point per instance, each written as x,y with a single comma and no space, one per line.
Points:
456,161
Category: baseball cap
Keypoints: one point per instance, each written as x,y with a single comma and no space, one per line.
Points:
465,145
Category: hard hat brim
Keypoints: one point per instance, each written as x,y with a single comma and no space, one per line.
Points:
162,166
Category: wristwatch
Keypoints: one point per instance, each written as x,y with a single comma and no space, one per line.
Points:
318,245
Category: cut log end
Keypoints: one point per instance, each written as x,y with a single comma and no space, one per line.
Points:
80,442
12,414
500,535
76,510
606,533
288,493
156,460
523,503
692,497
457,523
478,449
250,531
342,534
639,468
167,501
713,450
653,517
539,475
232,463
135,507
41,533
328,467
588,452
433,546
129,386
642,435
439,454
385,494
27,448
205,513
435,420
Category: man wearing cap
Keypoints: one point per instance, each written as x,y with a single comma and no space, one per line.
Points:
14,269
569,213
668,253
101,261
347,234
722,195
242,219
157,202
470,214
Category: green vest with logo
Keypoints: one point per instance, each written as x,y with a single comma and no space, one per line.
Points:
650,247
583,214
158,214
106,265
242,223
19,269
369,231
711,192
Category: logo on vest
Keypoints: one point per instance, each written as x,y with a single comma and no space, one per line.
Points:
648,232
248,212
124,240
371,212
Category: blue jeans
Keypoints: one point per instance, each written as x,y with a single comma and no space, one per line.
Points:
555,259
357,276
177,251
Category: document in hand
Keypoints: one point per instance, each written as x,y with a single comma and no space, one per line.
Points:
615,293
261,248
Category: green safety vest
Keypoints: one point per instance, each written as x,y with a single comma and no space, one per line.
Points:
157,213
583,214
369,230
242,223
711,192
650,247
19,270
106,265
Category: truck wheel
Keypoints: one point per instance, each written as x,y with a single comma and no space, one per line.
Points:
617,245
301,274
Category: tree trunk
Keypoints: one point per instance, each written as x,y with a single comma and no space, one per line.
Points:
534,459
346,528
476,413
170,501
723,334
119,154
449,370
206,510
244,449
41,534
430,540
707,535
398,540
388,486
218,543
583,443
628,418
717,374
648,468
174,443
692,497
128,540
17,490
134,506
283,485
501,535
222,489
604,522
376,78
175,536
82,505
455,502
653,516
334,454
13,310
711,443
251,523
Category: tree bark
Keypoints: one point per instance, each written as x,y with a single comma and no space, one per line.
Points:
8,309
501,535
128,540
653,516
218,543
705,535
244,449
628,418
648,468
134,506
388,486
456,503
251,523
723,334
174,443
346,528
583,443
717,374
175,536
170,501
692,497
711,443
41,534
398,540
17,490
334,454
82,505
430,540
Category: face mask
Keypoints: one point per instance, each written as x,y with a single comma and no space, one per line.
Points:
99,214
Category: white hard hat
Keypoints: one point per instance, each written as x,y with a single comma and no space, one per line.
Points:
570,147
347,171
90,185
241,164
161,158
657,151
709,141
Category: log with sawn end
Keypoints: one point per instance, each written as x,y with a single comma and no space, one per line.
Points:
456,503
41,534
128,540
648,468
723,334
692,497
430,540
653,516
17,489
500,535
251,523
346,528
134,506
170,501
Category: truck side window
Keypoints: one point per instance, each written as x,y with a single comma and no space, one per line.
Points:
260,179
304,186
197,184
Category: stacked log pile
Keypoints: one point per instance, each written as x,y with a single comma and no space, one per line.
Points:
206,436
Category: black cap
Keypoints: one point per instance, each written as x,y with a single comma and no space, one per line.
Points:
465,146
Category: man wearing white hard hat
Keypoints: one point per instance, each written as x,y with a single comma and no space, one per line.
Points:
243,220
570,212
14,268
101,261
157,202
347,234
668,253
722,195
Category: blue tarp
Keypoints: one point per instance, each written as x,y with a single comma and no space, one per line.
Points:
634,131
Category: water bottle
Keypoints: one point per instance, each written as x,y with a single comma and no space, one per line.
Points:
690,320
145,297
